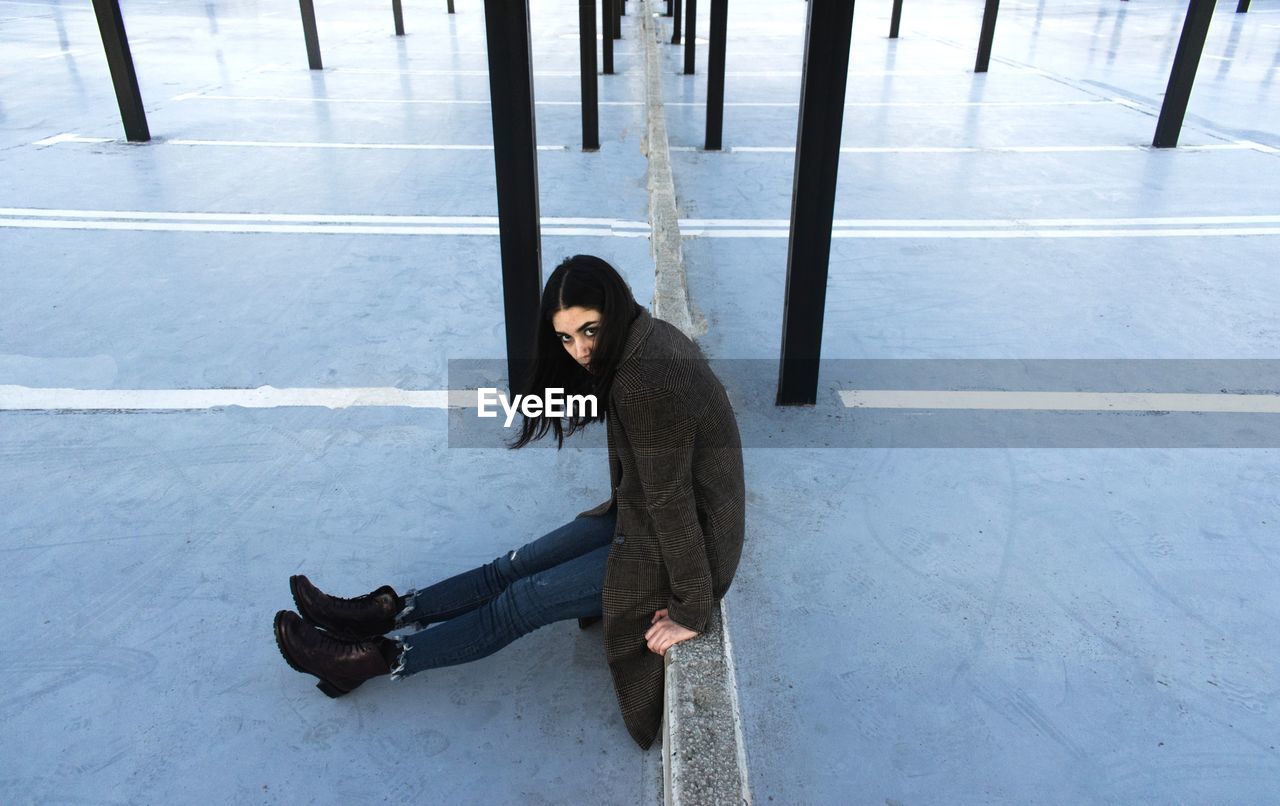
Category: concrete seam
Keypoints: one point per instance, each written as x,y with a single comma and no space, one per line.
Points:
671,291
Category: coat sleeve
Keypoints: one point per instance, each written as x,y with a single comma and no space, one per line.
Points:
662,431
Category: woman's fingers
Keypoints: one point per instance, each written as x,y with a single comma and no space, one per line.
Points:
663,636
654,638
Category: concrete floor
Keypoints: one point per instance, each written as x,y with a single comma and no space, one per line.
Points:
991,624
150,551
1004,624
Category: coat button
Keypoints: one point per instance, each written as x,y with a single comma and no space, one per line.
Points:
620,539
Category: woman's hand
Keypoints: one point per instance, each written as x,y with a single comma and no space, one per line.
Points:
665,633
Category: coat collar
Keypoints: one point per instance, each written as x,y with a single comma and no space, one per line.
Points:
638,332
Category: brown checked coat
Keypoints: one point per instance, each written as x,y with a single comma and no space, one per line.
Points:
675,464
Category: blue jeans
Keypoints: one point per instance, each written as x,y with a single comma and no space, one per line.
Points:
556,577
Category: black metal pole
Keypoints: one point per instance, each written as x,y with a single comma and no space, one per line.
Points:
617,19
813,198
988,33
690,32
895,19
398,13
606,25
587,60
1242,7
1183,75
515,159
309,34
675,23
123,77
622,8
667,13
715,74
450,6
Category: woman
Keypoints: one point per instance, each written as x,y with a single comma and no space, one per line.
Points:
652,560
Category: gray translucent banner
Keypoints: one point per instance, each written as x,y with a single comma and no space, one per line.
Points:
960,403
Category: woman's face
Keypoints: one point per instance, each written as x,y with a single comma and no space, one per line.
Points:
577,328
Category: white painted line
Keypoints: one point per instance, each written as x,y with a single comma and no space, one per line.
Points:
1134,105
23,398
377,71
69,138
126,220
366,146
487,225
320,218
924,234
302,229
959,71
905,104
450,52
74,138
47,6
1259,146
190,96
1059,401
197,96
1237,146
845,223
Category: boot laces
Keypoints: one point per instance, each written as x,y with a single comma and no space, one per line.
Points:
359,606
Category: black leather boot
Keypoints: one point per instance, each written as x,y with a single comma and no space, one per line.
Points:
358,619
341,665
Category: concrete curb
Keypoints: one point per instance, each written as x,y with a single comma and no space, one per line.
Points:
704,758
703,753
671,292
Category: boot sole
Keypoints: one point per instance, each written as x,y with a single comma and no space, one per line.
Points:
330,688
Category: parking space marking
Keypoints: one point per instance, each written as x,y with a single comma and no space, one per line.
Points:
990,222
1059,401
24,398
936,234
1241,145
199,96
391,71
870,228
75,138
908,104
302,223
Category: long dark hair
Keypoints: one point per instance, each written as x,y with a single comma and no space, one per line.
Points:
589,282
